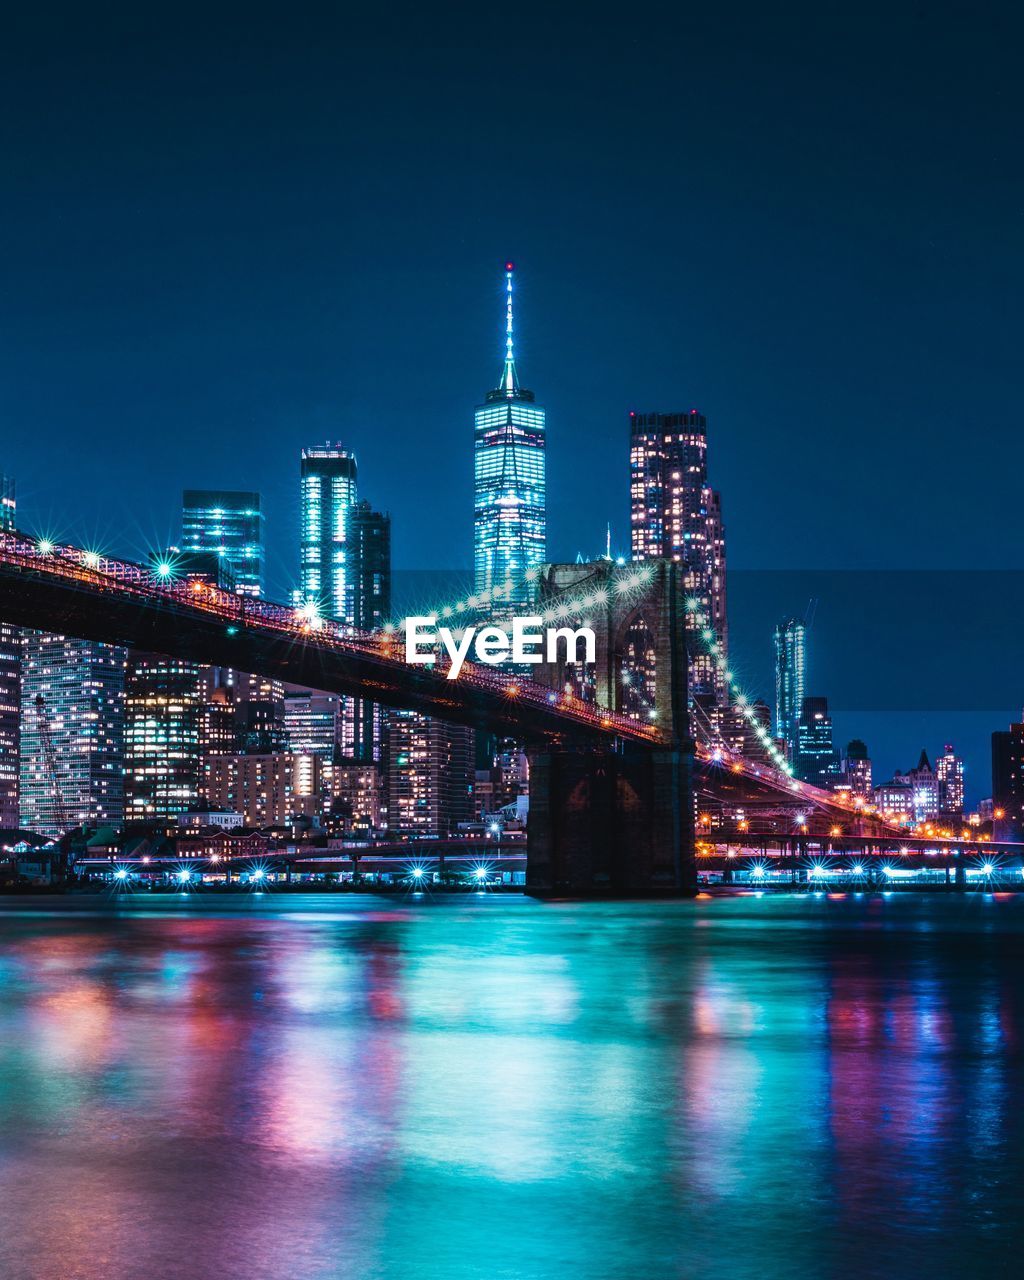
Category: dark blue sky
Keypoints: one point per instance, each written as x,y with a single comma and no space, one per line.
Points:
226,235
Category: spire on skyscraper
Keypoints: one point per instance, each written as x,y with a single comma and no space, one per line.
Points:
509,383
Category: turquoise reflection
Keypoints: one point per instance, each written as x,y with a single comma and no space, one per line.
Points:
727,1088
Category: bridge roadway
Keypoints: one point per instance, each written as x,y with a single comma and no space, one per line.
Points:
75,592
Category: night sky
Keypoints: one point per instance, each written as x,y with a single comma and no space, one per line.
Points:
227,236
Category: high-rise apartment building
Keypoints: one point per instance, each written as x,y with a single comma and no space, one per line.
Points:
10,687
1008,782
72,733
790,662
228,524
815,759
345,570
676,515
429,767
268,790
509,486
950,770
857,769
164,722
327,568
313,723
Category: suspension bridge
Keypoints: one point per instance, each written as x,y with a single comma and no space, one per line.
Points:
621,791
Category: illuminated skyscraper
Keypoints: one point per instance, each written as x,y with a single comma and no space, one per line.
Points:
950,770
816,758
10,687
509,498
72,733
676,515
164,707
328,496
789,680
345,570
171,722
228,524
430,772
857,769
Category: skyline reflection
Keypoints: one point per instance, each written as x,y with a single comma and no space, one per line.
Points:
720,1087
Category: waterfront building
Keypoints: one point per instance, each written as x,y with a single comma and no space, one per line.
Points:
10,688
429,767
509,487
72,733
790,662
895,798
268,790
815,759
163,733
228,524
676,515
353,793
857,769
924,780
950,770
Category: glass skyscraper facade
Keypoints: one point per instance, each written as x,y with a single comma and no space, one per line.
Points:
816,759
10,688
229,524
790,660
164,703
345,570
72,733
676,515
510,499
327,577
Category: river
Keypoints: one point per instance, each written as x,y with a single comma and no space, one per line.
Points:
323,1087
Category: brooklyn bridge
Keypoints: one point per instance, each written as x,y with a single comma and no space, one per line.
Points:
620,794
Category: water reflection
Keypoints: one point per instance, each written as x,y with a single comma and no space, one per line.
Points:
733,1088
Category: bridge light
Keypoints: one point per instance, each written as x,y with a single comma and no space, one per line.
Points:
887,871
801,818
164,569
91,560
757,872
835,831
45,547
232,631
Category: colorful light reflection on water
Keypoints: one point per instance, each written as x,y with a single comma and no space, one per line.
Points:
495,1088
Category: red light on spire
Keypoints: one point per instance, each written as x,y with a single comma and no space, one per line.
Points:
510,266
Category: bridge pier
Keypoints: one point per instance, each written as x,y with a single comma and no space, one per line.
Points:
608,823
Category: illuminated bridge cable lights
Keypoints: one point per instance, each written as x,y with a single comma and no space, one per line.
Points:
714,648
573,607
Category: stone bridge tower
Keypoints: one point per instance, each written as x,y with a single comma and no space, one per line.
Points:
618,820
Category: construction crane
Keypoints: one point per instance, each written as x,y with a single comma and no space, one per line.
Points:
60,815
